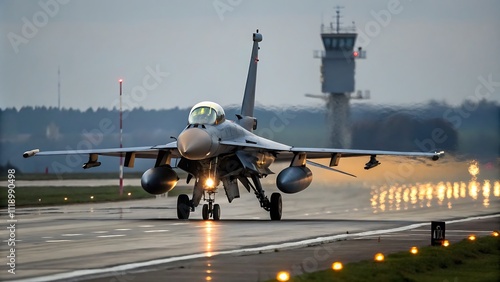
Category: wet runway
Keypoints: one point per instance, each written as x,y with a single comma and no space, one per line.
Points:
67,242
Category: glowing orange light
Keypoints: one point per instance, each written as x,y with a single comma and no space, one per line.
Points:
208,278
209,183
379,257
446,243
414,250
494,233
355,53
471,238
337,266
283,276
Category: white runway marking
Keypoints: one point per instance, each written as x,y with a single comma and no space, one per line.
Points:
57,241
146,226
122,229
100,232
153,231
295,244
179,223
70,235
111,236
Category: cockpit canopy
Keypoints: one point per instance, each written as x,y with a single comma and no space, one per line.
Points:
206,113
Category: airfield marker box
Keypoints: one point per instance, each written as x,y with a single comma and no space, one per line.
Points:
438,229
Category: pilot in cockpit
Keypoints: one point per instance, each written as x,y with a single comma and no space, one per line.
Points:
206,113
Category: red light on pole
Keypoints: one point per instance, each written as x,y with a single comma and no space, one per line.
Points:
121,138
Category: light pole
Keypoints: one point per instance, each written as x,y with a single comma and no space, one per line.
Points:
121,139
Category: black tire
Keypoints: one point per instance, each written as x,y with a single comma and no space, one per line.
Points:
183,209
204,212
276,206
216,212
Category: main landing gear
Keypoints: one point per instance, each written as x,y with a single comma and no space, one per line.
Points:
274,207
185,207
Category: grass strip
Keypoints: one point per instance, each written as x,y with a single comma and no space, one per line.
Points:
46,196
466,260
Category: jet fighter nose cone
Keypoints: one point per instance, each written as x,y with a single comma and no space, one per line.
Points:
194,144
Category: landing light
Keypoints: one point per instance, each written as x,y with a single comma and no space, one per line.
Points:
379,257
283,276
337,266
209,183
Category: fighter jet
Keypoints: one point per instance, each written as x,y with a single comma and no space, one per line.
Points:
213,150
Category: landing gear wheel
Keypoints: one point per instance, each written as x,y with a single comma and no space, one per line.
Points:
275,205
204,212
216,212
183,208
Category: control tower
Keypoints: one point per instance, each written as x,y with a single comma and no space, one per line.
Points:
337,78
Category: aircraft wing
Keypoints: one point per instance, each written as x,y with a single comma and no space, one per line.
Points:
327,153
286,153
130,153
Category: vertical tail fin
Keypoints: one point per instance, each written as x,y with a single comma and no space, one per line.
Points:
249,98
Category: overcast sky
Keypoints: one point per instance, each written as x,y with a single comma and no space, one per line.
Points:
177,53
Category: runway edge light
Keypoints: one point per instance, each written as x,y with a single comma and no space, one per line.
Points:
472,237
494,233
283,276
337,266
379,257
414,250
446,243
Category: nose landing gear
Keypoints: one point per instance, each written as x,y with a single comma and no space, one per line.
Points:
210,209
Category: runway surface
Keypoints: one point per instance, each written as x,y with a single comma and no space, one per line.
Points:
104,240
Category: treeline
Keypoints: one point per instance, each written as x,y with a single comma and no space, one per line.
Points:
468,129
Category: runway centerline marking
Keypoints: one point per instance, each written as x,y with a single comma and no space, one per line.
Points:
100,232
146,226
111,236
57,241
153,231
243,250
70,235
122,229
